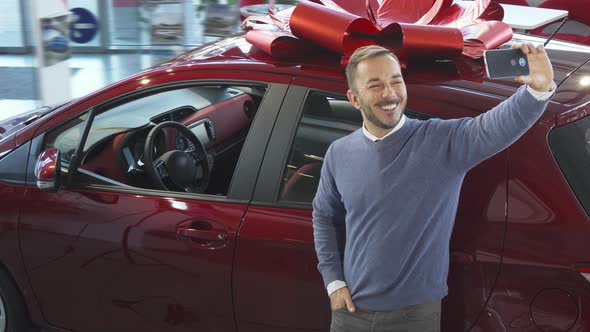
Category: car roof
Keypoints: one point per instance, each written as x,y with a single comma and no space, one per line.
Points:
565,57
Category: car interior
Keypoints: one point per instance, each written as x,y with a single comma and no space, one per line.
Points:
325,118
210,124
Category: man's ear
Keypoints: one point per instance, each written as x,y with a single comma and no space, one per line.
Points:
354,99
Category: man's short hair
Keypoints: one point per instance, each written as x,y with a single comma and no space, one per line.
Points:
361,54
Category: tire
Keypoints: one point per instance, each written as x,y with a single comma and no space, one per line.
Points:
13,312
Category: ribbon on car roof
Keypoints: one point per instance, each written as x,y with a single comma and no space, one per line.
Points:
412,29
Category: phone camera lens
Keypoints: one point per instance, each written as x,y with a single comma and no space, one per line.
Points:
513,62
522,62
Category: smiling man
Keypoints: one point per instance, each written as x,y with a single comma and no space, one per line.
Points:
377,89
394,185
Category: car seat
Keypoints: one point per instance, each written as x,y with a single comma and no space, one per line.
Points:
303,184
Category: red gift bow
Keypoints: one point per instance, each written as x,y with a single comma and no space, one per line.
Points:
444,31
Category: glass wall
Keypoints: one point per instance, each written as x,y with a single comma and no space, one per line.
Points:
146,23
169,24
132,24
11,33
124,23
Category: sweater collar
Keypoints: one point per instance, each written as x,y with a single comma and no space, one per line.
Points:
376,139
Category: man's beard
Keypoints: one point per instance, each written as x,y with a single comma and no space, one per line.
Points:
372,118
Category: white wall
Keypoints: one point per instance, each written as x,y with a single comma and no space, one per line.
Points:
53,81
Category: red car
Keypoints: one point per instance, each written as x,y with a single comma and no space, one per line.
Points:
179,199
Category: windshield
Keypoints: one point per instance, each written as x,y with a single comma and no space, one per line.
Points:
570,145
138,113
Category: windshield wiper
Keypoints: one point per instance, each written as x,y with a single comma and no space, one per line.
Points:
39,115
41,112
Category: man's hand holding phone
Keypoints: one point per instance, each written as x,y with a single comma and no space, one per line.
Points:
540,76
525,62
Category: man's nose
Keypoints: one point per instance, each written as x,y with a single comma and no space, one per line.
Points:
388,91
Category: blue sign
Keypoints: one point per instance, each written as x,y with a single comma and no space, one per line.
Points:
84,25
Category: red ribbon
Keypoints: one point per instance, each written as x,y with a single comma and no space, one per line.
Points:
443,31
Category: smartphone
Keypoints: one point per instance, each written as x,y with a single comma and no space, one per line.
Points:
506,63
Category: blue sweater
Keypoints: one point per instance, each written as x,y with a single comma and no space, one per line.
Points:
398,199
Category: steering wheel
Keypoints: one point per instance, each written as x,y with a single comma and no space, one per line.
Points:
188,169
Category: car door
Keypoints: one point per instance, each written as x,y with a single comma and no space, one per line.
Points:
108,252
544,283
276,261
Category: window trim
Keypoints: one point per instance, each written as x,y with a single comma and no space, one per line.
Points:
275,158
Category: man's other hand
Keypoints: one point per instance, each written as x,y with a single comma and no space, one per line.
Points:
540,77
341,299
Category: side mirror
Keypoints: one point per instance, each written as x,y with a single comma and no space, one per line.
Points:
47,170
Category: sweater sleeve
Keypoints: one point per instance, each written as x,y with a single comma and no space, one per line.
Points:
472,140
328,224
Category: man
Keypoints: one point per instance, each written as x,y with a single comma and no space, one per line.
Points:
395,185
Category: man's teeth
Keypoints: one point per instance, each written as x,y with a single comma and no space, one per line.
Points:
389,107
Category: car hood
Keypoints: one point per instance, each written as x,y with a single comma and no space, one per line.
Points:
6,124
16,122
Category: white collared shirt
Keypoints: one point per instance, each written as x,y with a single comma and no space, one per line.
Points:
374,138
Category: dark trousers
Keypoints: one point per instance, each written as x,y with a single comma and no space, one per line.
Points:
415,318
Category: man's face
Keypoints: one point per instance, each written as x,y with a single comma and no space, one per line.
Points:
379,92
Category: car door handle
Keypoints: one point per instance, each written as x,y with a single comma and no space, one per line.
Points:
462,258
198,234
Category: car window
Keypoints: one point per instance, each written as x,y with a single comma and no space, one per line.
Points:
326,117
66,139
570,145
114,154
